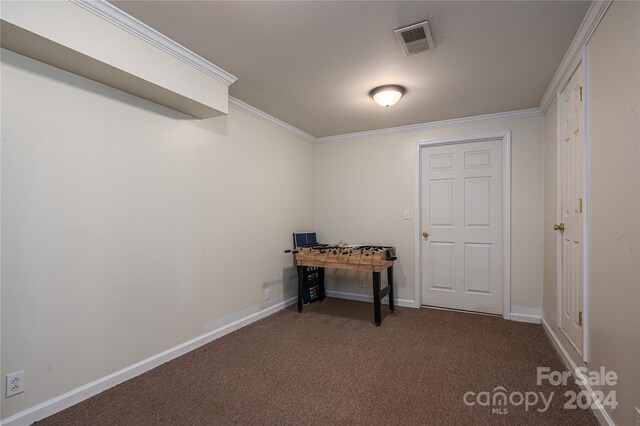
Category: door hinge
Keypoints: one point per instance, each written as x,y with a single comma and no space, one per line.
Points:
580,318
580,92
580,205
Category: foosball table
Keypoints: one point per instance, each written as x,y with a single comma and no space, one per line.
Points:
375,259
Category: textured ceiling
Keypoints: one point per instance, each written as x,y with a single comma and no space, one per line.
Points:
312,63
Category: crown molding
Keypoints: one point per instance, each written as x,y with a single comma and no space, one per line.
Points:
123,20
572,58
261,115
523,113
118,17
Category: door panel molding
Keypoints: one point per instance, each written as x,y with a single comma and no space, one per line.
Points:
505,137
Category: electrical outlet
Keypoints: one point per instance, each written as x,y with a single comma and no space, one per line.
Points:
15,383
362,283
267,294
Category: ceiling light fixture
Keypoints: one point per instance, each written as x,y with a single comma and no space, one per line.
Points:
387,95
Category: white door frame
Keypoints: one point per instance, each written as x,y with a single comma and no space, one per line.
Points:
585,201
505,136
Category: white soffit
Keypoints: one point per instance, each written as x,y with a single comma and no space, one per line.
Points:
101,43
118,17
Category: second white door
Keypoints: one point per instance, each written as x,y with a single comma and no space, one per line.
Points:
462,226
571,227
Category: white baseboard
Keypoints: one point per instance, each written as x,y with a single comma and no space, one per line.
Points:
77,395
366,298
599,411
534,319
525,314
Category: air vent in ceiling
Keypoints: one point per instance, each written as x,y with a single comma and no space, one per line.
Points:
415,38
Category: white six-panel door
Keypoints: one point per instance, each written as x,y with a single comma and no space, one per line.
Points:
571,260
462,214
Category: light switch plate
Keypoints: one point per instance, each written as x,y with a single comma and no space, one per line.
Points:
407,215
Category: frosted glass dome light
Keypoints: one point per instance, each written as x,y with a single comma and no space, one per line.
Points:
387,95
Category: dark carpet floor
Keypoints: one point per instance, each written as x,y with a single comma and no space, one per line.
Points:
330,365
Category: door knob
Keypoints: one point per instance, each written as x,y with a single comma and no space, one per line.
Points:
425,234
558,227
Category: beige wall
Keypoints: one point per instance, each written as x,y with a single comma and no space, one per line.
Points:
363,185
128,229
614,210
614,229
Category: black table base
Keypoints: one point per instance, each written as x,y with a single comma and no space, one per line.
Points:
378,292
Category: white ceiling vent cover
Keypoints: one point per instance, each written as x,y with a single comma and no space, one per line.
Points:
415,38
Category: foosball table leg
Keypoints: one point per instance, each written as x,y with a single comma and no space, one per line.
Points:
376,298
392,304
321,283
300,286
